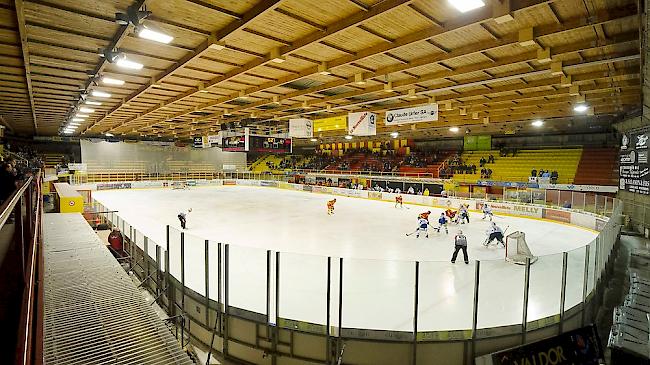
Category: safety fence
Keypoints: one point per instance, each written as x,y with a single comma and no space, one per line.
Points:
255,304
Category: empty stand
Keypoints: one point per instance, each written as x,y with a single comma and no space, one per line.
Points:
597,167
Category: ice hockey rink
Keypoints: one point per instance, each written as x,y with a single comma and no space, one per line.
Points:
378,258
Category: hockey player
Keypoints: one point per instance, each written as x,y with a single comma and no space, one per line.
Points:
452,215
463,214
423,226
182,217
460,243
494,233
425,215
330,206
398,201
442,222
487,212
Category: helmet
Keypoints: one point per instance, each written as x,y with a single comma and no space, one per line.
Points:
460,231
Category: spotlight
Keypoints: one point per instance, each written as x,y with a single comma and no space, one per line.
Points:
394,134
348,137
119,59
454,129
88,102
84,116
314,140
86,110
580,108
537,123
466,5
78,119
107,134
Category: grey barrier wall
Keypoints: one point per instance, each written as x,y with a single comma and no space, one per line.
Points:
260,324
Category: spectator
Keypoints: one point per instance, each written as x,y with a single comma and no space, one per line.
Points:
426,192
411,190
554,176
7,182
473,169
566,204
491,159
533,173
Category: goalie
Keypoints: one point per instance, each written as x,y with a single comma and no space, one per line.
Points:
494,233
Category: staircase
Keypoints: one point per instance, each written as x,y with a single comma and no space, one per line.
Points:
598,166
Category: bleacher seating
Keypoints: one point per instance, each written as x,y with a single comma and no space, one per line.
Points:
518,168
597,167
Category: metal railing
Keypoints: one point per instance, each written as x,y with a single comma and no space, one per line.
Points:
22,212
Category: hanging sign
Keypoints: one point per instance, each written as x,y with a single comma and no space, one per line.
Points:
301,128
362,124
424,113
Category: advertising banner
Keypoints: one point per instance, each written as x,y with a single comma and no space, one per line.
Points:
200,141
214,141
581,346
331,123
301,128
513,209
634,168
77,166
362,124
424,113
235,143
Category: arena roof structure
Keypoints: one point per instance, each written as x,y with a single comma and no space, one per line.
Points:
178,68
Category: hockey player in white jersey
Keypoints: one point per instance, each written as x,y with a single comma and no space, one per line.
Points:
423,227
487,212
494,233
463,214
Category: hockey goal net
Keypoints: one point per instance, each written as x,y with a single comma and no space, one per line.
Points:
517,250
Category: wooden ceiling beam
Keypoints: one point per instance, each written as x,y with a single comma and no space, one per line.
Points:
215,38
20,17
576,23
523,58
216,8
309,22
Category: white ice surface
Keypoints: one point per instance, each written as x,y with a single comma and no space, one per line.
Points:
378,259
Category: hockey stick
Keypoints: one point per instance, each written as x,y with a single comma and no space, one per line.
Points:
412,233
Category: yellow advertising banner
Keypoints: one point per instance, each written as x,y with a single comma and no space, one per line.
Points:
331,123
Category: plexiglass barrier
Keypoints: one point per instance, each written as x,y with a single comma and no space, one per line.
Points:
321,295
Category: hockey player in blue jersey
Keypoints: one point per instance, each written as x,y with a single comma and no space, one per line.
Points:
423,227
442,222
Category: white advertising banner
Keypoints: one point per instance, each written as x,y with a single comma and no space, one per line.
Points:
571,187
77,166
301,128
362,124
513,209
419,114
215,140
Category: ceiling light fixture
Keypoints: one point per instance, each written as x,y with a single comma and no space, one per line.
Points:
153,35
86,110
100,94
111,81
466,5
537,123
314,140
580,108
348,137
125,63
454,129
78,120
88,102
394,134
323,69
107,134
81,115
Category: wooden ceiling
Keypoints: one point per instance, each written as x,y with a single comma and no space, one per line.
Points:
264,61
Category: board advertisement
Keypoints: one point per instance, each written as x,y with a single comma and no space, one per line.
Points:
477,143
214,140
419,114
301,128
581,346
362,124
200,142
634,170
77,166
